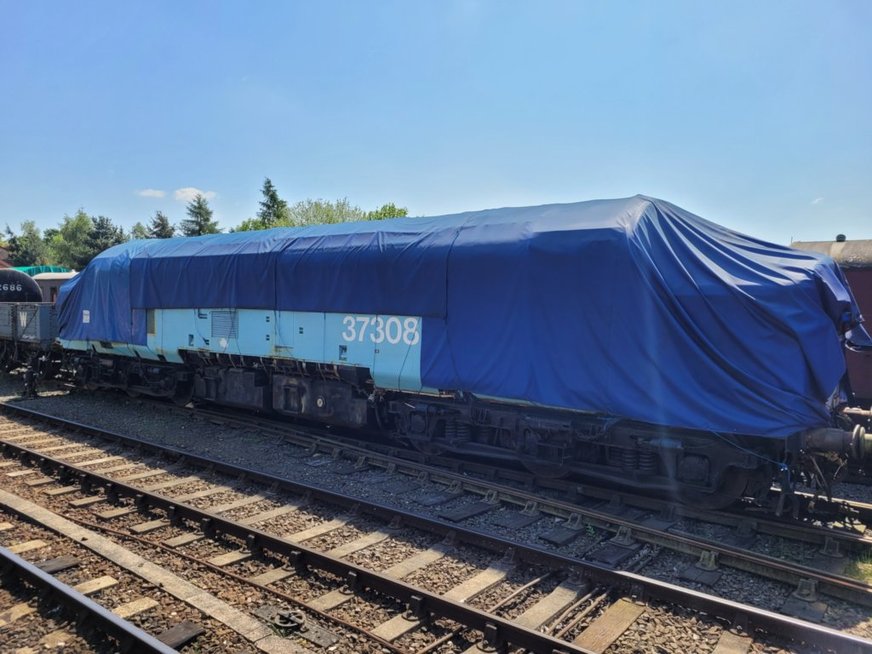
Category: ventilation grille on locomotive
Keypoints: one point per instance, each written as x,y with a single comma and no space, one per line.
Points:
225,324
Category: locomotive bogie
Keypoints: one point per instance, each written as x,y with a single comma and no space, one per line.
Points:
554,442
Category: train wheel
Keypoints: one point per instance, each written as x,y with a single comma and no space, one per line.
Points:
184,393
731,490
428,447
545,470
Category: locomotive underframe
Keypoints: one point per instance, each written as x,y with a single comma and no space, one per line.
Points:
552,442
555,442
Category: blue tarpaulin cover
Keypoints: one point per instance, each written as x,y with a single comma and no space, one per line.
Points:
632,307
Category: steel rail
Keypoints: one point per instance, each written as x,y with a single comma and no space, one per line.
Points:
130,637
299,434
790,573
501,630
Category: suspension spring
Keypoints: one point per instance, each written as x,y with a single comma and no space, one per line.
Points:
450,430
629,459
647,461
462,430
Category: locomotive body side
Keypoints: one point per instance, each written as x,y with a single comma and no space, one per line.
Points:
626,339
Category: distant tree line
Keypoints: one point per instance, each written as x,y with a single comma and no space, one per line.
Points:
81,237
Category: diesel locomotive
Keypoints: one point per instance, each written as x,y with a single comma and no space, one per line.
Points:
625,340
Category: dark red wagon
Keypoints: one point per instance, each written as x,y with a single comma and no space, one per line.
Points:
855,259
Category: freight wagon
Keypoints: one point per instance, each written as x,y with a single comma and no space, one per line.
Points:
855,260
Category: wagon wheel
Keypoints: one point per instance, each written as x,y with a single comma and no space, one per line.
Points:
427,447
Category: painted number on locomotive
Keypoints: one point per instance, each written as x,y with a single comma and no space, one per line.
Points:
380,329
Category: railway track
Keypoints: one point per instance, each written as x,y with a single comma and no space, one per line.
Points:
722,533
57,594
841,514
404,571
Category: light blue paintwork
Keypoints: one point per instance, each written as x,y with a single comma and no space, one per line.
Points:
306,336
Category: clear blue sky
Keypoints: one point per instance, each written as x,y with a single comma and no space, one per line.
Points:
757,115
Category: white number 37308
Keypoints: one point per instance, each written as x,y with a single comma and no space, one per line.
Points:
379,329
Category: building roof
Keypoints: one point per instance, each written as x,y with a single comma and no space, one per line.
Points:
848,254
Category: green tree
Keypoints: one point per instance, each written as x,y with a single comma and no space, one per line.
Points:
199,220
29,247
138,232
104,235
389,210
273,210
161,227
252,225
318,212
70,243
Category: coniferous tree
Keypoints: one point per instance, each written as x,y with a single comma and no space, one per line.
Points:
199,220
138,232
273,210
161,227
104,235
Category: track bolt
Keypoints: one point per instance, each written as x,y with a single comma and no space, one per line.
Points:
708,560
297,561
251,542
806,591
416,607
831,548
491,635
624,537
207,527
141,502
574,521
